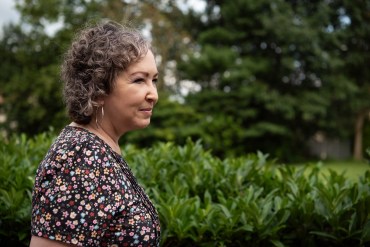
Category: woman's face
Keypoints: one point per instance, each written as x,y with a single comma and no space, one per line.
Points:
130,104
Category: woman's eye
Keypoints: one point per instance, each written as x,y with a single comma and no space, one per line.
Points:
138,80
155,81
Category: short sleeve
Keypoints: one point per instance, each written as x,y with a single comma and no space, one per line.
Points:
75,195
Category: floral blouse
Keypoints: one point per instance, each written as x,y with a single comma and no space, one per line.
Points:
86,195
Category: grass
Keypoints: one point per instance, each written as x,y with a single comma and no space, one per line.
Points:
351,169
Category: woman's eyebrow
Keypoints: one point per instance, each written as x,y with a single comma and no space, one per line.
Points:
146,74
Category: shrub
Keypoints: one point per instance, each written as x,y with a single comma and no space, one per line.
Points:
205,201
250,201
19,157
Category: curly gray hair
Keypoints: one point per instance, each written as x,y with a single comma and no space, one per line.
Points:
97,55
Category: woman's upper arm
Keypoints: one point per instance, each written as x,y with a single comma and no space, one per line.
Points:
44,242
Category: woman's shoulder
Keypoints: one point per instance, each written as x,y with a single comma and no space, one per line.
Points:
76,142
73,148
72,136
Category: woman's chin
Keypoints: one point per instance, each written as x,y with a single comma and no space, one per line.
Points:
143,124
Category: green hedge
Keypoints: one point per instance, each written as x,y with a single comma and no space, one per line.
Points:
19,158
205,201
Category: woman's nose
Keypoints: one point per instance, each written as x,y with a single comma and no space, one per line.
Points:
152,94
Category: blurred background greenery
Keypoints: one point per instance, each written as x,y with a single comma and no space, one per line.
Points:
283,79
288,78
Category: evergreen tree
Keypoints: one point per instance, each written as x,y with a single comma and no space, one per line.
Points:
272,67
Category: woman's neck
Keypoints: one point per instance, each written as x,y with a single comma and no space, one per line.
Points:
102,134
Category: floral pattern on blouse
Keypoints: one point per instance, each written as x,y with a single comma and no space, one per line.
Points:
86,195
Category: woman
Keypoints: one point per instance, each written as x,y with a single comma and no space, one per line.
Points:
84,193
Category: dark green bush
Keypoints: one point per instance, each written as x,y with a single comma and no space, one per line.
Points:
19,157
206,201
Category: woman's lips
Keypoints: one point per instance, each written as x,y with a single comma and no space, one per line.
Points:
147,111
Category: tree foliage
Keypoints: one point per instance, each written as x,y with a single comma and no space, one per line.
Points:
279,69
271,73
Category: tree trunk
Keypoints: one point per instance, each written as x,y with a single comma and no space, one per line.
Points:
359,124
